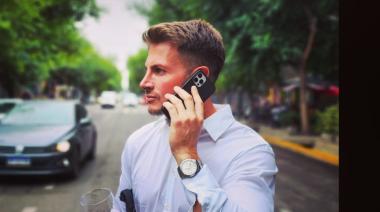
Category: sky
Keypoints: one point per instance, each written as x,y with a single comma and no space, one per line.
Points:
116,33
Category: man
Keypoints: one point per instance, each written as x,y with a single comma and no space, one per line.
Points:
204,160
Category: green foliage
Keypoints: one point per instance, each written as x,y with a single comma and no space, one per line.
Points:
328,120
136,70
88,71
289,118
261,36
39,39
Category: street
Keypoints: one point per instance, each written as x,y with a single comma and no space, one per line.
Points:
305,184
302,184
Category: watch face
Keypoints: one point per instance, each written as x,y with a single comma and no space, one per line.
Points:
189,167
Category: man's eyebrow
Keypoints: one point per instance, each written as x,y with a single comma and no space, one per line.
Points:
158,66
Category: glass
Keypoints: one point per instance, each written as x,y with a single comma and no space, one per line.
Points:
97,200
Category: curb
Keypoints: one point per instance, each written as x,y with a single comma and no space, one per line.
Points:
313,153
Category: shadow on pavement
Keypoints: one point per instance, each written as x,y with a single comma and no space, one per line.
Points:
28,180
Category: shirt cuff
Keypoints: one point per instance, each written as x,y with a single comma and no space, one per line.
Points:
209,194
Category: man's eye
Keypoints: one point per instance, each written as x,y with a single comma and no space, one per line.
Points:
158,71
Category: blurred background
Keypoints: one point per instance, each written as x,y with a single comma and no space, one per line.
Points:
69,95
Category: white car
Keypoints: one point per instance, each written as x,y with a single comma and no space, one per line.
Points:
108,99
130,99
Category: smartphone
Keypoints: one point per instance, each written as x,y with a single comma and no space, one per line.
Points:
204,85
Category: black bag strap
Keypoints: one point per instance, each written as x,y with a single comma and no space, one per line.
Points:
127,197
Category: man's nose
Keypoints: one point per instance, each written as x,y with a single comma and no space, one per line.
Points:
146,82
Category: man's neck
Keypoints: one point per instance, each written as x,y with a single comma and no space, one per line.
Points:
209,108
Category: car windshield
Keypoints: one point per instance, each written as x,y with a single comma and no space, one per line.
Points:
108,94
31,113
130,96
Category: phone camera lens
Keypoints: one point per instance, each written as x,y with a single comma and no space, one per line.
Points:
200,75
201,81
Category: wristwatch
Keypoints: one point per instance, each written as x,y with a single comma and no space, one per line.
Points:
188,168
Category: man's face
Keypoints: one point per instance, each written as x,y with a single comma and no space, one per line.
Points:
164,70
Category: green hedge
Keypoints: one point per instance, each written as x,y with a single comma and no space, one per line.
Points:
328,121
289,118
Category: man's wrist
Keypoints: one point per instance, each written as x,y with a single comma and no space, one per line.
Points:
179,157
182,152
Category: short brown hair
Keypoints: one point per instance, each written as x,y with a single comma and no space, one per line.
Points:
197,41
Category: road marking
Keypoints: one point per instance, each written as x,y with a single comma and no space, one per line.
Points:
49,187
29,209
319,155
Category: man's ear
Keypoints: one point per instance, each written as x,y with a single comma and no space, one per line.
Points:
204,69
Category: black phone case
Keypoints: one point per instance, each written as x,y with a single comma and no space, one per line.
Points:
204,85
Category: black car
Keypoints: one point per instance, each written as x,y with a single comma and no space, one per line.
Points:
46,137
6,105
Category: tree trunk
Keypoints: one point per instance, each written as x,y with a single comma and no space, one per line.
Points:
252,104
303,102
240,96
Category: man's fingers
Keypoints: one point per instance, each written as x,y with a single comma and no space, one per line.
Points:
187,98
198,102
171,109
176,102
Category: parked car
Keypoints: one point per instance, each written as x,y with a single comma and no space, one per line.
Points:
277,115
41,137
130,99
108,99
7,105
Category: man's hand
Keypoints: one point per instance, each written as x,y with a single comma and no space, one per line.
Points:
186,123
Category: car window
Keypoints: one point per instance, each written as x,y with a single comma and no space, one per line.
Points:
130,95
6,107
40,113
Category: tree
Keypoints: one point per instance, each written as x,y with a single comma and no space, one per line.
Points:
35,36
261,36
88,71
136,69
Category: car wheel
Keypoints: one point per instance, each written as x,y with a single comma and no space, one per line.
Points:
75,163
92,153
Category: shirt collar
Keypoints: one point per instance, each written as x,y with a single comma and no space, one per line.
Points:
218,122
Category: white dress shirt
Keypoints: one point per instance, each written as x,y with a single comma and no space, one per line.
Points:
238,172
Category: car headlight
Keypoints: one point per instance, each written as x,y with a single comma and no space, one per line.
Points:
63,146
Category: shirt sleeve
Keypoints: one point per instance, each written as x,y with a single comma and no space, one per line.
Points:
124,182
248,185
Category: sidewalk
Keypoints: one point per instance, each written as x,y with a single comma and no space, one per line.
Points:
317,147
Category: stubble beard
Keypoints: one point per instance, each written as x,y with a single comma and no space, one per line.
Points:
152,111
155,112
